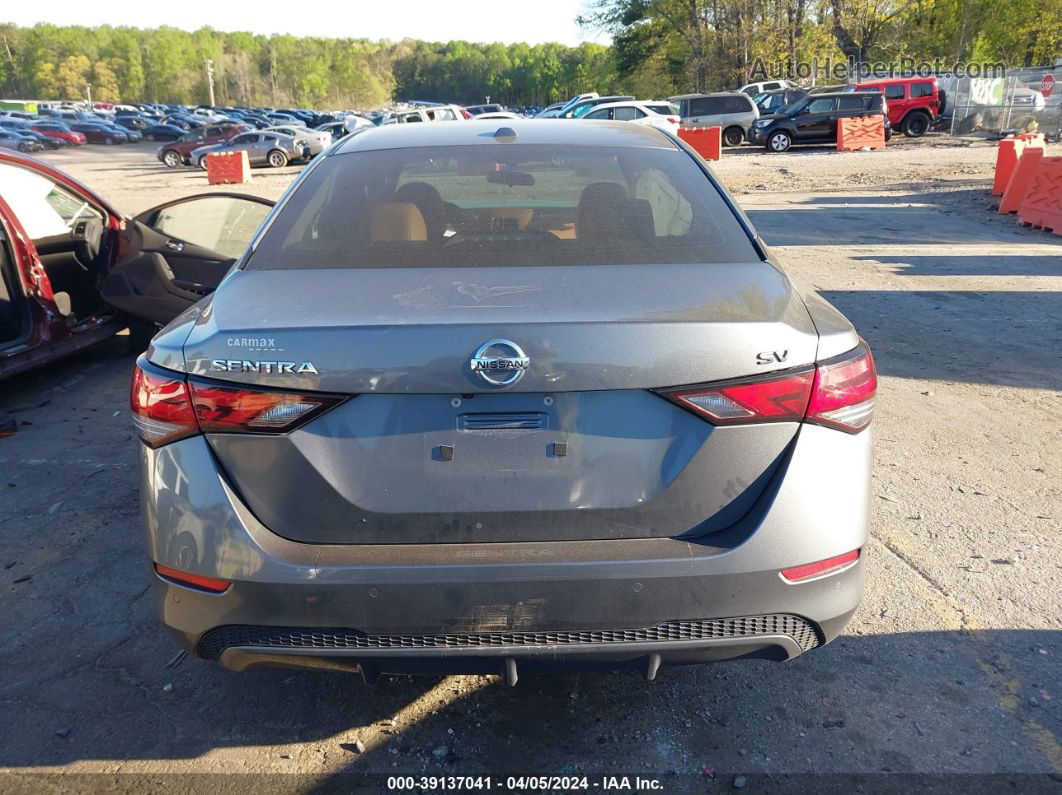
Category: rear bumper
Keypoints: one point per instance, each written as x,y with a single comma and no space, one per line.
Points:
490,608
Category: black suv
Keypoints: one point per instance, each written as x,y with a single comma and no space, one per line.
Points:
813,119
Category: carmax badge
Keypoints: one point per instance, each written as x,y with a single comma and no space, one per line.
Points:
500,362
249,366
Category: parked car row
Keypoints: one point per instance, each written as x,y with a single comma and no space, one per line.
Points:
775,114
779,114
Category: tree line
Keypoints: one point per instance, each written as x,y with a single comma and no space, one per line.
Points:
169,65
668,46
660,48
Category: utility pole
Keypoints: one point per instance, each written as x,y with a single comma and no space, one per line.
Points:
210,78
88,93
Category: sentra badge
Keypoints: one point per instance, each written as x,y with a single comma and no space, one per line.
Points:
249,366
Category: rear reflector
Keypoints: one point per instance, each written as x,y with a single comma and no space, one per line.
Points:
167,407
212,584
822,567
838,393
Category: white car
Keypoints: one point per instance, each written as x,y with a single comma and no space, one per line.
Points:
754,89
501,114
655,113
317,140
430,113
206,115
354,121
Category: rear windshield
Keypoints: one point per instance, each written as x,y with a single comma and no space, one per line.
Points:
503,205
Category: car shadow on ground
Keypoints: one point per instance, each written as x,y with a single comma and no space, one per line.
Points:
922,702
944,264
748,149
901,214
1008,337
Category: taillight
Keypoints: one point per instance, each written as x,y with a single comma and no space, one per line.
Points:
838,393
167,407
777,399
843,396
162,410
233,409
673,119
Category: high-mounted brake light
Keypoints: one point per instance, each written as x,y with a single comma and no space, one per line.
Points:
167,407
838,393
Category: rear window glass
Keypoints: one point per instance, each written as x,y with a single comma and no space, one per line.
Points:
517,205
737,105
704,106
853,103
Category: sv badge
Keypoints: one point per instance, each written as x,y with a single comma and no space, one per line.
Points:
772,357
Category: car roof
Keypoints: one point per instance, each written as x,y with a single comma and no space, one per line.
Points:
830,94
712,94
576,132
907,79
636,103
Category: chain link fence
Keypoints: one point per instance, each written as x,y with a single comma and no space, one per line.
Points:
992,106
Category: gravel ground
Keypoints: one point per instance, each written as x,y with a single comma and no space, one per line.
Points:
950,669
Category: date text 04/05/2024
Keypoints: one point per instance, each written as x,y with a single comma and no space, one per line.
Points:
525,783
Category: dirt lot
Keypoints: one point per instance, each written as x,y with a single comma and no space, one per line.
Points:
952,666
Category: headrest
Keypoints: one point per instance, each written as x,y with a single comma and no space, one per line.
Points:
607,215
426,198
391,222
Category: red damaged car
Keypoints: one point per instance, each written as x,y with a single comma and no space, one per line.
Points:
74,271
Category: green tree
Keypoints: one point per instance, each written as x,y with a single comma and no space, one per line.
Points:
105,87
72,76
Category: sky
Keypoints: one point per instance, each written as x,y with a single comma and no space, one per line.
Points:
432,20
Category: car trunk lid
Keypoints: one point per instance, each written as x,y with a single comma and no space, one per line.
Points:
430,452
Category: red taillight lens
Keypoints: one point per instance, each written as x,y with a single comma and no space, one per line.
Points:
226,409
775,399
212,584
820,568
673,119
162,411
844,392
166,407
838,393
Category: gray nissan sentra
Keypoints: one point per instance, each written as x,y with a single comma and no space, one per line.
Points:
490,399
